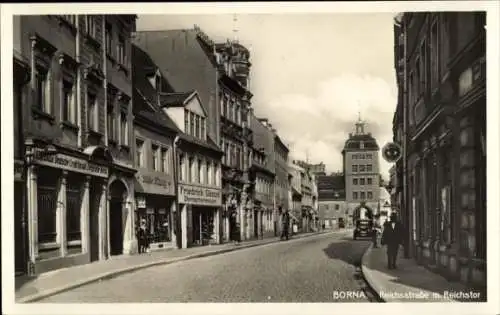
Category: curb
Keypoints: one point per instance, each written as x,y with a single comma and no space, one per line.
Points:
168,261
367,275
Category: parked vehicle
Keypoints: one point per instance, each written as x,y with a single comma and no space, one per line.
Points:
363,222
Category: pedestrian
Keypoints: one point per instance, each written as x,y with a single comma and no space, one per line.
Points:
285,225
392,237
375,233
142,236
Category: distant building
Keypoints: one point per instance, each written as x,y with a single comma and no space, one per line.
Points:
316,169
361,170
331,200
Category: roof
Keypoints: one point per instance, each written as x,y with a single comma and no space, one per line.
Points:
144,94
209,144
331,187
175,99
354,142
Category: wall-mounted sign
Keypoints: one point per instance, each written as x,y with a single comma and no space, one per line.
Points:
141,202
197,195
154,183
69,163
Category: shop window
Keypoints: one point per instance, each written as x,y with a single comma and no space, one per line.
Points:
47,187
73,206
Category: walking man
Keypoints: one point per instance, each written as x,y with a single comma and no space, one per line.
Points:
285,225
392,237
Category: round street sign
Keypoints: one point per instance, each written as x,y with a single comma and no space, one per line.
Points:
392,152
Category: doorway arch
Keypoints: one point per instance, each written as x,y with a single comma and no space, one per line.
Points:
117,198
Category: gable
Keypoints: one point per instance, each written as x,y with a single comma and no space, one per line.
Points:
194,105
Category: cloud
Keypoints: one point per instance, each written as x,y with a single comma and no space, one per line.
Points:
317,125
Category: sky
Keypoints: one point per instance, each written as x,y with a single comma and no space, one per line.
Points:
311,74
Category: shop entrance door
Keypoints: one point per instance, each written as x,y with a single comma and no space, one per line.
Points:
117,192
19,239
95,196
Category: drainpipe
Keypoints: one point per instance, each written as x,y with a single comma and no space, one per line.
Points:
78,84
407,203
178,223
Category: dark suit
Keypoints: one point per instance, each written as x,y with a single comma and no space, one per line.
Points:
392,237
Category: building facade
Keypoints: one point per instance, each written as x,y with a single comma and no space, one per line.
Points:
315,169
76,204
332,207
198,159
281,180
219,74
296,185
262,174
154,135
445,78
361,170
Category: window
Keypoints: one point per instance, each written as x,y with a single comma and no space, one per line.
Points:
186,121
139,153
361,168
154,153
164,163
238,158
202,126
69,110
43,83
182,167
370,195
92,112
208,175
197,126
222,104
73,205
47,188
238,114
124,129
109,39
369,181
362,195
355,195
423,66
190,169
361,181
337,207
411,89
354,168
199,174
369,168
90,26
369,156
227,156
110,116
121,50
354,181
191,123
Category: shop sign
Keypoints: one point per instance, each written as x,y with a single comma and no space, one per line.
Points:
197,195
70,163
141,202
155,183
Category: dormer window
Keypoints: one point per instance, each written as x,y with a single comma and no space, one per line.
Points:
155,81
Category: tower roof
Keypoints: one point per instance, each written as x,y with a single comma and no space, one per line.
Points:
361,140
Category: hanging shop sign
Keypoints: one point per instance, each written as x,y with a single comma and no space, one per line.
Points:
197,195
69,163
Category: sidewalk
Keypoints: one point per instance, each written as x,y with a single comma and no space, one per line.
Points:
53,282
410,282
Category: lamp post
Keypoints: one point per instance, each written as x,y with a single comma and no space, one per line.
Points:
177,215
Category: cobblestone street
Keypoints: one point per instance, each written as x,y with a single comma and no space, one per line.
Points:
305,270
